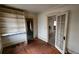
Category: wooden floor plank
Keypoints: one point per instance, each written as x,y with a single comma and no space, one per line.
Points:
35,46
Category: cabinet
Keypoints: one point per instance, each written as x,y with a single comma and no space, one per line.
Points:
0,46
11,22
12,27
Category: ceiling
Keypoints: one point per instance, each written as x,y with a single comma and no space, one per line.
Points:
35,8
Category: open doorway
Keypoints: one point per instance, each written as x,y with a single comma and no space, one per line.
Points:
29,26
51,29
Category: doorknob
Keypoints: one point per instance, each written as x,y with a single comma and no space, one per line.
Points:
63,37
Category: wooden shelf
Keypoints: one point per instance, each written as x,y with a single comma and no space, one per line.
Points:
13,33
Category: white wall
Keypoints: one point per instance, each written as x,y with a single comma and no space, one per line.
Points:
35,25
42,27
73,37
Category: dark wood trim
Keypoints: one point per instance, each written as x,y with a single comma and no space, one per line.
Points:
4,6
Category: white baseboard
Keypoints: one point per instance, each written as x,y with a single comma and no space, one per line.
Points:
72,52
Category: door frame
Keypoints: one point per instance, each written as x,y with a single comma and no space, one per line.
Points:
66,29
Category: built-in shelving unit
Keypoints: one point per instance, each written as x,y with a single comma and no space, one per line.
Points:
12,26
11,21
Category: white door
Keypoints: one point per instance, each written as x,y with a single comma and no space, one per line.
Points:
61,31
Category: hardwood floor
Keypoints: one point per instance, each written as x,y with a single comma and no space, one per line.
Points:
36,46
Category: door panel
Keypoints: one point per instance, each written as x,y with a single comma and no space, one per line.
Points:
61,30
